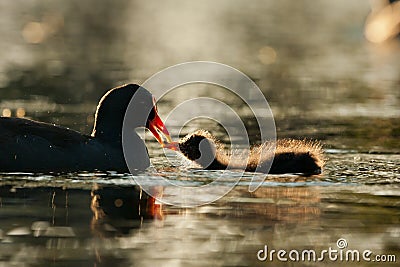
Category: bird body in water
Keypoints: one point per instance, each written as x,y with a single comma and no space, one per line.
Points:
282,156
32,146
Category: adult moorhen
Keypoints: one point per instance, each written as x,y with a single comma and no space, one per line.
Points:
31,146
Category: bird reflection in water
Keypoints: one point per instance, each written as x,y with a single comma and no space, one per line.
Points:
117,209
275,204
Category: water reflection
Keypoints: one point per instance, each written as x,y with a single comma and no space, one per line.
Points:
62,223
118,210
122,225
289,205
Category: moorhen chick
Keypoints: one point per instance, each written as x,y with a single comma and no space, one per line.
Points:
290,155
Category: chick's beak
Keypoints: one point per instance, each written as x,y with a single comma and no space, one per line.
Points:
157,128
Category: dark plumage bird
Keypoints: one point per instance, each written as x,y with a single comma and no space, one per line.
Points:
290,156
31,146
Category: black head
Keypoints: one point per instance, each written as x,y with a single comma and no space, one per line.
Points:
112,107
191,146
199,146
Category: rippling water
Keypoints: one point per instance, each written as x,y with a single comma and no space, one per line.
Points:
322,80
104,218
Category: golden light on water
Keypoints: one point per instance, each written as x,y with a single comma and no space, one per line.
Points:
33,32
6,112
20,112
267,55
383,24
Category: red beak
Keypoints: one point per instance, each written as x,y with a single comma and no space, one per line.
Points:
157,127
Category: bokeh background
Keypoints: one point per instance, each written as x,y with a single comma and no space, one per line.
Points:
310,58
